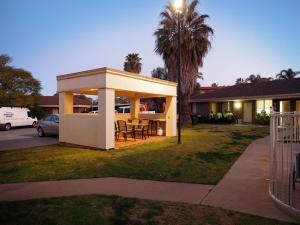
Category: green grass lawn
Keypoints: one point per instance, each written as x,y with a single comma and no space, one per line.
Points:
205,155
113,210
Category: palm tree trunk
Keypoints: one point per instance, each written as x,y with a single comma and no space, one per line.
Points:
186,110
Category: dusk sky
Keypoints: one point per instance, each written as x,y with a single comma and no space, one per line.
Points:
53,37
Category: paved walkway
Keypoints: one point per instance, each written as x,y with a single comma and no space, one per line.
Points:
245,187
144,189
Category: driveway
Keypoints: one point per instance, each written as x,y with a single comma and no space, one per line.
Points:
23,138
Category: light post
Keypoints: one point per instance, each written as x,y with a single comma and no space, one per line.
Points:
178,7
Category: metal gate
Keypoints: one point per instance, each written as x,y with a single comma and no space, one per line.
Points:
285,155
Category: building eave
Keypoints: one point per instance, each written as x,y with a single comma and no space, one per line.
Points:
281,96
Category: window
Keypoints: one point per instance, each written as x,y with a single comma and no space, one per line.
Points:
285,106
225,107
127,110
263,105
55,118
48,118
213,107
29,114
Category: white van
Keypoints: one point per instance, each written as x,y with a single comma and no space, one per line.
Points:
16,117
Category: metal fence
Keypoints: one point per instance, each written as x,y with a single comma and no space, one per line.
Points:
285,160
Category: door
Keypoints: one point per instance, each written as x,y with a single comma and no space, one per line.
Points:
285,106
298,105
247,112
54,124
29,120
46,124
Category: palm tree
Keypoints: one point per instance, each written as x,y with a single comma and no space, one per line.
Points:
133,63
287,74
160,73
195,45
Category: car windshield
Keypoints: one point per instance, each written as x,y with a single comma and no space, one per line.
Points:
48,118
55,118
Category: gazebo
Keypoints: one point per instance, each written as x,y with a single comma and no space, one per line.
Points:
98,130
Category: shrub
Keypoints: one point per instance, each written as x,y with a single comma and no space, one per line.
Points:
262,118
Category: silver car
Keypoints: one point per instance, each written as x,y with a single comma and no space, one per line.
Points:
48,126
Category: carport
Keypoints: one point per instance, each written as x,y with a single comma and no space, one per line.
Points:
98,130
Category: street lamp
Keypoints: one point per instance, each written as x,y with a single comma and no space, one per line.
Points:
178,4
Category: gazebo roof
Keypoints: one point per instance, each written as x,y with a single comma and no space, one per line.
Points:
125,83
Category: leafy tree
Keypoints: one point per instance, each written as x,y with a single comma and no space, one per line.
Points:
214,85
4,60
133,63
200,76
197,89
239,81
37,110
195,44
257,78
160,73
287,74
84,97
253,79
17,86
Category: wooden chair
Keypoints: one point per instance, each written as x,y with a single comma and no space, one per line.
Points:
143,129
123,129
117,132
135,122
153,127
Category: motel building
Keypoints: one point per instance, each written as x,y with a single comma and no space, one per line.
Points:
98,130
246,100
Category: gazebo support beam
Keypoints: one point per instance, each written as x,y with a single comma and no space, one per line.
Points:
135,107
171,115
106,118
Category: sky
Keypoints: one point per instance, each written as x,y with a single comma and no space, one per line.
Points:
54,37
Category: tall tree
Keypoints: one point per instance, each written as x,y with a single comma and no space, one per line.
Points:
287,74
133,63
17,86
195,44
252,79
239,81
160,73
214,85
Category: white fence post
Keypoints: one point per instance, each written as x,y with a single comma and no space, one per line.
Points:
284,167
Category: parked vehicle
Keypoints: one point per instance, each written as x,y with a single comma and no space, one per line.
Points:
48,126
16,117
94,112
124,109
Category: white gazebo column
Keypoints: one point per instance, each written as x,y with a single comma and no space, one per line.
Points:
134,107
106,118
65,107
65,103
171,114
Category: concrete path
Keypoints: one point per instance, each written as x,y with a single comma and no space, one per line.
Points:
245,187
144,189
19,138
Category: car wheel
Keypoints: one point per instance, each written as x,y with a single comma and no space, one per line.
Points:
7,126
40,132
34,124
